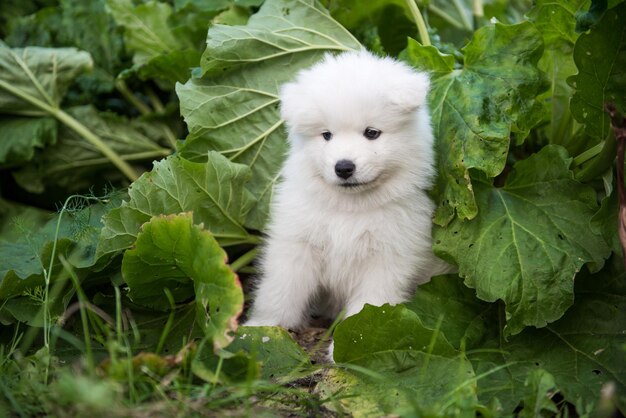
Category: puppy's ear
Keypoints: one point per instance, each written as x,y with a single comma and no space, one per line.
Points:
411,91
290,99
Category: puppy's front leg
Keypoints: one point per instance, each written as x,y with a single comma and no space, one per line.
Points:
378,286
288,283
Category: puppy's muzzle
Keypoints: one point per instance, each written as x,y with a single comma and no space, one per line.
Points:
345,169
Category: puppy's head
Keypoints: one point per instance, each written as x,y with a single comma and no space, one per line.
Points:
358,119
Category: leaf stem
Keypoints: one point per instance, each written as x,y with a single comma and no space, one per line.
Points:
170,321
589,154
461,10
479,13
83,302
159,108
419,21
77,127
163,152
445,16
82,130
244,260
155,101
143,108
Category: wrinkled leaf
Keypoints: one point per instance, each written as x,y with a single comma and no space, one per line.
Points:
37,74
76,164
78,230
445,302
236,113
147,33
21,136
450,21
171,252
529,240
397,328
605,221
224,367
74,23
585,20
555,19
215,192
280,356
582,351
476,109
600,56
159,51
538,402
371,19
25,260
394,364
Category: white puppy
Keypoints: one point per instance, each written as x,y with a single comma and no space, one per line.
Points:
351,221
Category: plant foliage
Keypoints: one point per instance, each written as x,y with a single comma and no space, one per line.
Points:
165,144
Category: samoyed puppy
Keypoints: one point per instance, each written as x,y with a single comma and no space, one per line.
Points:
351,219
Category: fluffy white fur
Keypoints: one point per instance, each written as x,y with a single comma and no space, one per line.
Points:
332,247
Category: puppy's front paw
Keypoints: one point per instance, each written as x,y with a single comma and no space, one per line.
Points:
331,349
259,322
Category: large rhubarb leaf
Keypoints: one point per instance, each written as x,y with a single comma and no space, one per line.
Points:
233,109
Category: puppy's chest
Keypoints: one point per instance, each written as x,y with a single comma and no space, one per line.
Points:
351,237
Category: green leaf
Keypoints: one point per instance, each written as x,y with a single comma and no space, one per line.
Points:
21,136
585,20
556,19
37,74
600,56
74,23
236,113
25,261
280,356
280,28
582,351
224,367
605,222
374,17
396,365
396,328
171,252
147,33
172,67
212,6
214,191
529,240
403,383
158,50
88,26
446,303
476,109
74,164
84,25
538,402
450,21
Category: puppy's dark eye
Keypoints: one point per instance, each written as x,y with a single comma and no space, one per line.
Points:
327,135
371,133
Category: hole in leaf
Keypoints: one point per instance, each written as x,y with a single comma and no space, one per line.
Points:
597,372
561,237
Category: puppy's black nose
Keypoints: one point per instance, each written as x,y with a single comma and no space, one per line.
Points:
344,168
